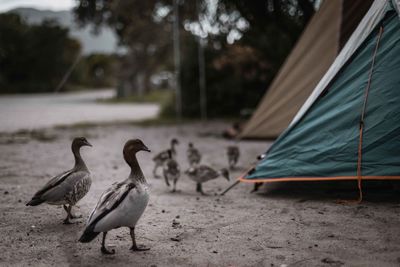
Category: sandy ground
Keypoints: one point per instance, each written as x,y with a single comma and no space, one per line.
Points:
288,224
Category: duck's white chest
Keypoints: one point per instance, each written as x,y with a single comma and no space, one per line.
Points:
134,205
128,211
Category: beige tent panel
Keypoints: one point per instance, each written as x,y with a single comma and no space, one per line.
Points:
311,57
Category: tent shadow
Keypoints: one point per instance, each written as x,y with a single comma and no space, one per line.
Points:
373,191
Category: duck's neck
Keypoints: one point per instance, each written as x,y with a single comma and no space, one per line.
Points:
136,172
79,163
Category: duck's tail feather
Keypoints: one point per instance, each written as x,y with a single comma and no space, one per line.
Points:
35,202
88,235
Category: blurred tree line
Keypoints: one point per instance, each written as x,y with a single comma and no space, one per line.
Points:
245,43
34,58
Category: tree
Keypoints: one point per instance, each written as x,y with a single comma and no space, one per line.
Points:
246,42
33,58
141,31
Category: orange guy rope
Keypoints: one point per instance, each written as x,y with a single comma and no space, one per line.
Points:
359,162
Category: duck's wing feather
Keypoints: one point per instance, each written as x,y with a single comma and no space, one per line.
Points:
52,183
162,156
59,189
207,172
109,200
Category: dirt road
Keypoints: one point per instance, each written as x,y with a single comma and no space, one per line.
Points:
283,225
35,111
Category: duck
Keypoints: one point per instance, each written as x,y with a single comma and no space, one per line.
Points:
193,155
203,173
171,171
122,204
69,187
233,154
161,157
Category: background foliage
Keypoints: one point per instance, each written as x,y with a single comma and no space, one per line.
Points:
245,43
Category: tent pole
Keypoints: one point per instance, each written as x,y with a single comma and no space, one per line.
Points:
177,61
230,187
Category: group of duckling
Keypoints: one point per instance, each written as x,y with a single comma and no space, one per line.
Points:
123,203
199,173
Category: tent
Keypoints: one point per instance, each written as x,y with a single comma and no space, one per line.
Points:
311,57
349,127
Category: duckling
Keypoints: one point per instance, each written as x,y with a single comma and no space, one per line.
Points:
193,155
233,154
122,204
68,187
171,171
203,173
161,157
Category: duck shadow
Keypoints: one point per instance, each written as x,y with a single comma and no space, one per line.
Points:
373,191
66,235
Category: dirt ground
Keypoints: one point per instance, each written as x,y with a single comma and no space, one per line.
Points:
286,224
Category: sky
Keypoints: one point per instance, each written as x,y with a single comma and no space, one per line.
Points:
55,5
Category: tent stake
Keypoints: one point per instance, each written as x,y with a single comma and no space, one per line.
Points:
230,187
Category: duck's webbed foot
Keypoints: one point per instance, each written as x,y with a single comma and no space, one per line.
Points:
134,246
104,250
76,216
67,221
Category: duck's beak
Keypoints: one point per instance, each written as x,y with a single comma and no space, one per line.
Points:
145,148
88,144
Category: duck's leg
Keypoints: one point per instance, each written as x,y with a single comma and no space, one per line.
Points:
166,180
230,164
104,250
155,170
135,247
174,186
72,215
256,187
199,189
68,210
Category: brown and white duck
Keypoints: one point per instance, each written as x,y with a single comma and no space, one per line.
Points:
171,171
161,157
203,173
233,154
122,204
68,187
193,155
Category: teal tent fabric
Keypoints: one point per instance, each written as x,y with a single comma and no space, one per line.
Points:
324,143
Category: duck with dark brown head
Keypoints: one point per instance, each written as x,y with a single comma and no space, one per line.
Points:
122,204
68,187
